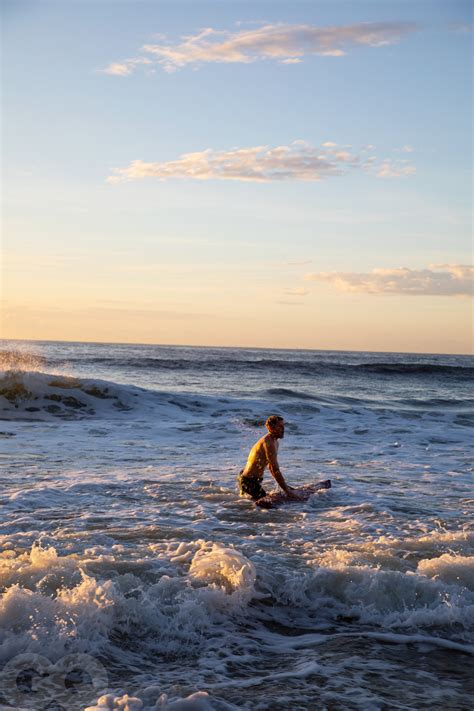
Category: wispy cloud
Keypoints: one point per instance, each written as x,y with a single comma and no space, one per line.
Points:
404,149
283,43
126,67
298,161
436,280
395,168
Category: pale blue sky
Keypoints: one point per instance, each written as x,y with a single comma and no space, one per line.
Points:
68,125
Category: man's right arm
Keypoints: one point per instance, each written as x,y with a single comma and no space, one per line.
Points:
274,467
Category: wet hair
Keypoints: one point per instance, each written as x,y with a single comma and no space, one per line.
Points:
272,421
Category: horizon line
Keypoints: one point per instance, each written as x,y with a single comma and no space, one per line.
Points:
261,348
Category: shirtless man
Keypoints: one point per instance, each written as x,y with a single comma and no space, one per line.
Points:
264,454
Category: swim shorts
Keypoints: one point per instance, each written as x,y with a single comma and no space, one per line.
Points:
250,485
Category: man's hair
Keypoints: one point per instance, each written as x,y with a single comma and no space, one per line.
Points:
272,421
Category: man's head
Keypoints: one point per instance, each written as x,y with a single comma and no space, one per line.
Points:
276,426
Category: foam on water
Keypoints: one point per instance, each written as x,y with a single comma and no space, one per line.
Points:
226,568
199,701
450,568
203,599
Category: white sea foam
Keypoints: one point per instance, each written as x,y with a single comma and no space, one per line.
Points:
44,611
199,701
453,569
52,605
225,568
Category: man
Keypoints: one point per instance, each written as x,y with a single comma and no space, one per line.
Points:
264,454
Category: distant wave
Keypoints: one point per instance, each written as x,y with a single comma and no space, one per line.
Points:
222,364
287,392
416,369
438,402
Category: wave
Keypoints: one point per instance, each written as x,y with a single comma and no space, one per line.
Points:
433,594
416,369
178,603
287,392
36,395
438,402
173,605
220,363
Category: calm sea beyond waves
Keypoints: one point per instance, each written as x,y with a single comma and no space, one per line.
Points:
134,576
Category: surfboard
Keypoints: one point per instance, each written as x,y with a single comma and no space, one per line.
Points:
279,498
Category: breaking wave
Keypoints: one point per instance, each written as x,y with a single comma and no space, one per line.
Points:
36,395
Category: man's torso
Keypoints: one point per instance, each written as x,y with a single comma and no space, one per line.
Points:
258,458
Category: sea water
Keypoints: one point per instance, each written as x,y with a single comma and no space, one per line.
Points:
133,576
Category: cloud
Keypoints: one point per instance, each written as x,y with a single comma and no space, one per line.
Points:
404,149
297,161
118,69
275,42
125,68
395,168
436,280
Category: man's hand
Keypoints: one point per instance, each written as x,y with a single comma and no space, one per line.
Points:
292,494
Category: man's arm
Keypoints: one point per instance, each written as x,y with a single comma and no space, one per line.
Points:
271,451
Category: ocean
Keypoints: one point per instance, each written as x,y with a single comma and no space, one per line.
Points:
134,577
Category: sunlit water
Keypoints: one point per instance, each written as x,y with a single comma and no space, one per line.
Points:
123,537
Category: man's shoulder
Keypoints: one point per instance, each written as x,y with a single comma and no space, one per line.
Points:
268,440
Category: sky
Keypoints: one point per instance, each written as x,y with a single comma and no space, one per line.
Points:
268,174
